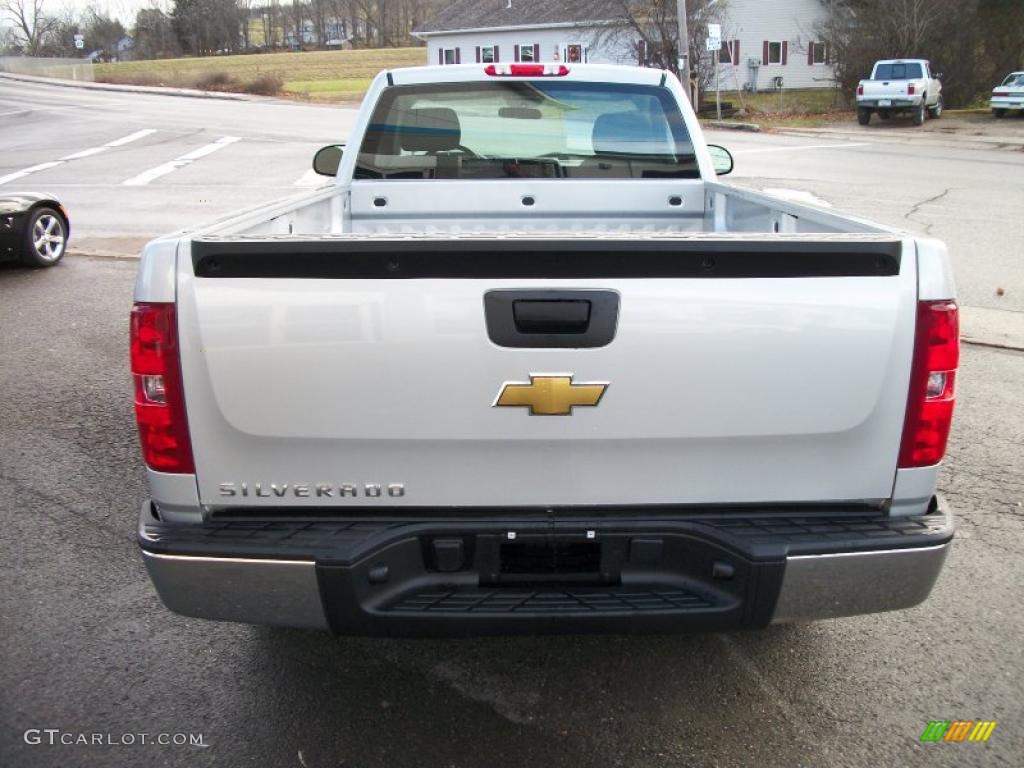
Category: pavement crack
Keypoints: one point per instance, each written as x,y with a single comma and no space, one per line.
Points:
909,216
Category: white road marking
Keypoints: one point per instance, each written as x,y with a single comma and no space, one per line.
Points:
110,144
179,162
310,179
78,155
27,171
797,196
765,150
130,138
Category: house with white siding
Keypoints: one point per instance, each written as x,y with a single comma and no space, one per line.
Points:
771,44
766,44
489,31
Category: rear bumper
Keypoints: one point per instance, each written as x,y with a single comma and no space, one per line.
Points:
452,576
893,103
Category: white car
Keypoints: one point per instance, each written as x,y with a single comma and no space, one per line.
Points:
1008,95
900,85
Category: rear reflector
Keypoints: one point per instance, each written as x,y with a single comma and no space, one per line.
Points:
159,399
910,89
526,70
932,384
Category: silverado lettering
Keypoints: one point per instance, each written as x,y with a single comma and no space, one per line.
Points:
321,490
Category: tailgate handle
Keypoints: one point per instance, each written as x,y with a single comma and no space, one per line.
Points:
551,315
560,318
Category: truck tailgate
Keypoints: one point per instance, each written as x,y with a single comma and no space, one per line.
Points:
885,89
361,372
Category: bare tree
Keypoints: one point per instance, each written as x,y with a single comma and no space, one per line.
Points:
648,32
31,24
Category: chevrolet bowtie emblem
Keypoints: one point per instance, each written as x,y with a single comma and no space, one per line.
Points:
550,394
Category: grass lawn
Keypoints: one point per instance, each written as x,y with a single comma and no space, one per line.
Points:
316,75
806,107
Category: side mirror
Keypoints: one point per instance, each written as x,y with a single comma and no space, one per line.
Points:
327,159
937,75
721,158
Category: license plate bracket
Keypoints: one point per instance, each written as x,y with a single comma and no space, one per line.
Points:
885,102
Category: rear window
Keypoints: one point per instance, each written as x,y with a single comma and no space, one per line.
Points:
898,72
526,129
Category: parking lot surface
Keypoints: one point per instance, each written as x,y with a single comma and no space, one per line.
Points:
89,649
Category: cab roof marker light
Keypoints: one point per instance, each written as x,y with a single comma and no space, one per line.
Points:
526,70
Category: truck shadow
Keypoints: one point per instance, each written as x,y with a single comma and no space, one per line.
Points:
550,699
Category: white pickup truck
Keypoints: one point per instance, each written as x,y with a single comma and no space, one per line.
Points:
900,85
527,365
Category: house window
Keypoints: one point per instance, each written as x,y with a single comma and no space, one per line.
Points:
729,52
817,53
450,56
774,53
487,54
529,52
574,53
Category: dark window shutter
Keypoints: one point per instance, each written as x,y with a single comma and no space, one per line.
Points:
764,55
497,58
641,53
440,55
810,52
785,51
516,53
536,51
736,52
827,59
478,54
458,55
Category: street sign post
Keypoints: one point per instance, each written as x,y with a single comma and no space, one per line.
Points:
714,46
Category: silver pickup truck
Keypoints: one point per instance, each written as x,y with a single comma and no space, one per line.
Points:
527,365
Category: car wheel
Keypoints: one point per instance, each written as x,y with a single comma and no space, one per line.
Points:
919,113
863,115
885,114
46,238
999,112
935,112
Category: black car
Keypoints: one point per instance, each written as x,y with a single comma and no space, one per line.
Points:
34,228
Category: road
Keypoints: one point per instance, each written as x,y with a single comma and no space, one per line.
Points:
969,197
255,151
88,646
89,649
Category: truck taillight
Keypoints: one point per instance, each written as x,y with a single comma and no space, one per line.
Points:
932,384
910,89
159,399
1000,94
526,70
860,90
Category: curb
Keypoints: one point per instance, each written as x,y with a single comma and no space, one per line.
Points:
734,126
153,89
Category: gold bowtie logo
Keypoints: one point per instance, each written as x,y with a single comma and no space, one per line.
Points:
550,394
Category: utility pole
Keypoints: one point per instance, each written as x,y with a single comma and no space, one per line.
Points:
684,48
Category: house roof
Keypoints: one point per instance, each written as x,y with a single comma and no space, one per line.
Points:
498,14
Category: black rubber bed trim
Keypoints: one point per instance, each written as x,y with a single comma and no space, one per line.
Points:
537,259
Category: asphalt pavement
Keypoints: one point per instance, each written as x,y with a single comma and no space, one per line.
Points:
227,155
88,649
